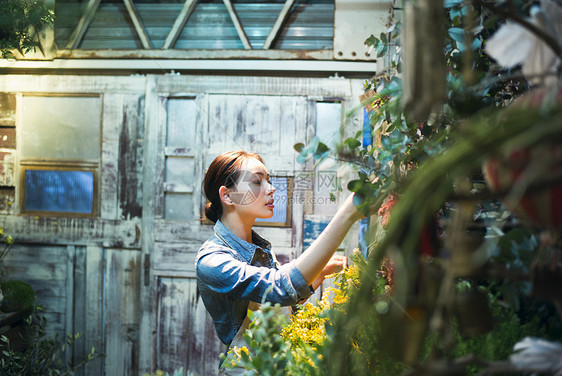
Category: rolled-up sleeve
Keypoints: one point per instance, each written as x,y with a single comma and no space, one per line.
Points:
222,273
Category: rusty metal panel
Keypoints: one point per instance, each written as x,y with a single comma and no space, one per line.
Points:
7,109
354,22
7,137
185,333
199,54
123,272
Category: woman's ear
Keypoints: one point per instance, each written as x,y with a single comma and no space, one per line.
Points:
224,196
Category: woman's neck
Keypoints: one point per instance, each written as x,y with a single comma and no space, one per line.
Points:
239,227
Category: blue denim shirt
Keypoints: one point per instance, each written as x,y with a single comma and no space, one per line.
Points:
232,272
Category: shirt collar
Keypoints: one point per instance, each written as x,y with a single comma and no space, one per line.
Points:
242,247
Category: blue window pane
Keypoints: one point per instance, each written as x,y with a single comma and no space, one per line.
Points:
281,201
59,191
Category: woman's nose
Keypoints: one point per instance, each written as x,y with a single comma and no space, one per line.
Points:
271,189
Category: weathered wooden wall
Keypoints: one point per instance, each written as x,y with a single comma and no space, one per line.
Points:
124,278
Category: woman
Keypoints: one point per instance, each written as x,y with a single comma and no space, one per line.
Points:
236,267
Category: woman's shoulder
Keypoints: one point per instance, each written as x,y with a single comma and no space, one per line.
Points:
214,246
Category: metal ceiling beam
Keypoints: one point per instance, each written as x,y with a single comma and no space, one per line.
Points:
83,23
237,24
197,54
278,23
139,27
180,22
165,66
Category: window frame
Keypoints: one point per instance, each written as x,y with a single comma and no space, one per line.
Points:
54,164
50,166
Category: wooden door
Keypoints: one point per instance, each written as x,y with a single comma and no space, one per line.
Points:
191,131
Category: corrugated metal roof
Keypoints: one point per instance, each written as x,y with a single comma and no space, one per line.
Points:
310,25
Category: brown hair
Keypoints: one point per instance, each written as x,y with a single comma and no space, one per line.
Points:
223,170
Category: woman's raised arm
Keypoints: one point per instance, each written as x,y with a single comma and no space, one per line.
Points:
312,261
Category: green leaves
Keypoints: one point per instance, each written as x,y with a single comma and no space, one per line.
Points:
16,18
315,149
45,355
379,44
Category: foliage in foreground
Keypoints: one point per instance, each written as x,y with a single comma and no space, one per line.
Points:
431,158
302,346
17,17
44,355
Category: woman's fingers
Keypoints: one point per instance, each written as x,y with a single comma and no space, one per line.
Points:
336,264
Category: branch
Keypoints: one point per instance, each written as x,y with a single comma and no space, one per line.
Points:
547,38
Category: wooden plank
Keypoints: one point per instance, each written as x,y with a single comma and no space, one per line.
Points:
185,333
80,348
165,231
137,22
73,231
7,168
172,151
155,110
262,124
93,284
123,280
7,200
349,89
72,84
178,188
278,23
44,268
7,109
201,122
237,25
129,159
278,237
309,166
69,313
292,125
179,23
216,127
111,125
176,256
41,272
83,23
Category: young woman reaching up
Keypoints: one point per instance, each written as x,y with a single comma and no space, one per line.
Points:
236,267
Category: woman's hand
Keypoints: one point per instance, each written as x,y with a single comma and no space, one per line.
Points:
335,265
350,210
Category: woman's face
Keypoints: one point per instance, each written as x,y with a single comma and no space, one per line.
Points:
252,194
